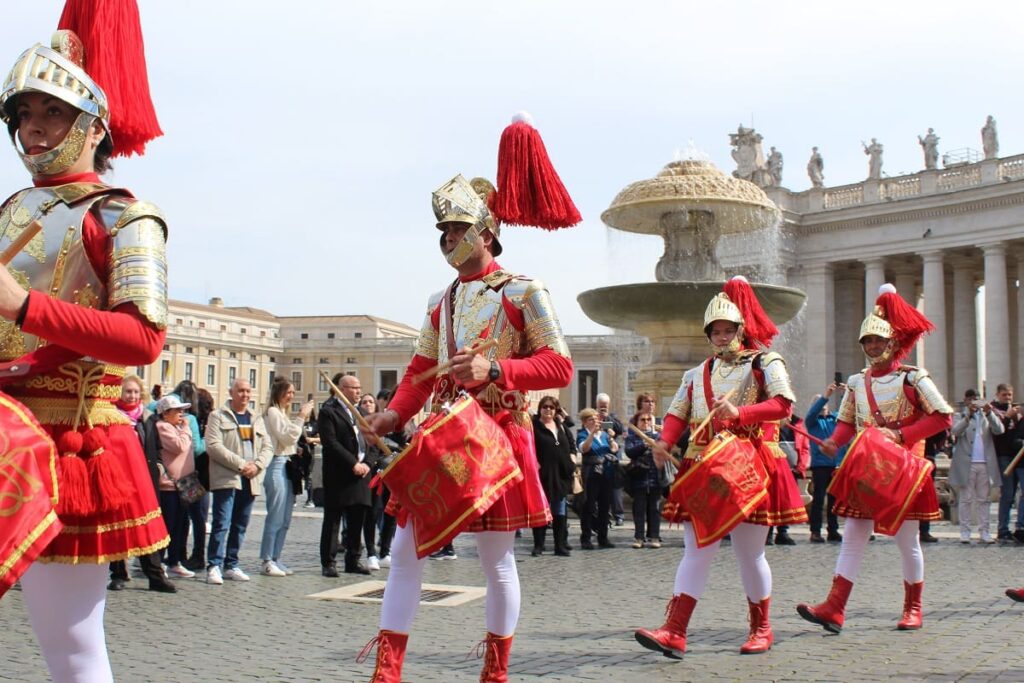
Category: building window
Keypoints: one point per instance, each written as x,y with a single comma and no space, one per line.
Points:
252,356
350,373
167,347
350,360
586,389
223,328
304,335
322,361
330,335
141,371
211,375
296,406
252,405
296,361
252,378
188,371
211,352
165,371
359,335
232,354
242,330
232,374
388,379
273,359
263,333
189,349
321,383
297,381
270,378
202,325
179,321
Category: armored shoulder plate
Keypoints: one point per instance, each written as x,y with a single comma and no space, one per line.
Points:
680,406
138,258
932,401
776,376
426,343
541,322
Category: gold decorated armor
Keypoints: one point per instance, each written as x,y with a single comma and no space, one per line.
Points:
890,397
733,375
721,307
465,201
875,324
55,262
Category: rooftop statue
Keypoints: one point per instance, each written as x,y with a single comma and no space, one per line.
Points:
874,152
990,138
930,144
749,156
816,168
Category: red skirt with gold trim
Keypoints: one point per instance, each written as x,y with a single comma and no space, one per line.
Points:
783,505
135,529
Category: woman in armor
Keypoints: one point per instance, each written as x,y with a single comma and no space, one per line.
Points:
745,391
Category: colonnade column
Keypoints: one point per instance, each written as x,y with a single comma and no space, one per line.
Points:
965,336
821,325
905,280
935,310
874,277
997,336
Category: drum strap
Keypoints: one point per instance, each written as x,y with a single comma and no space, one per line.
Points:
448,310
880,419
709,393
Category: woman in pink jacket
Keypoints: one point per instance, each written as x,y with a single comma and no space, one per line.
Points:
177,458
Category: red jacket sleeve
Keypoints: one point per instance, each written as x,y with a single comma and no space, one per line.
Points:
775,408
121,336
925,427
844,431
671,429
544,369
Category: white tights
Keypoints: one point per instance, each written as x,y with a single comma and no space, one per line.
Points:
65,605
402,594
856,534
747,544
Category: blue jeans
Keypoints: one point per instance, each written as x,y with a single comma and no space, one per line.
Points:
231,508
1006,495
176,518
197,513
280,500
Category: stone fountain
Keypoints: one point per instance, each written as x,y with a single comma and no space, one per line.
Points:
692,205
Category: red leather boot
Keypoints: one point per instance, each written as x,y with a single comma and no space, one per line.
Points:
911,620
1016,594
830,613
761,636
670,639
390,656
496,652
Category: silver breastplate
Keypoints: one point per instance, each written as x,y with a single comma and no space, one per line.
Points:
53,262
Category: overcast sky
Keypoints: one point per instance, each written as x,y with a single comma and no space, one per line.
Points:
303,139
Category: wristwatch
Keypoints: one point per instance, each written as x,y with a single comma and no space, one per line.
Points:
495,371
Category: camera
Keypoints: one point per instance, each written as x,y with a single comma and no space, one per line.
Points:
608,425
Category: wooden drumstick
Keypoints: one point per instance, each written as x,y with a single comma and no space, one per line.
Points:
707,420
651,443
20,242
1013,463
445,367
355,413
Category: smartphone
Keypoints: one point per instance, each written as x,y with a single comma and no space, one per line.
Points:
838,377
607,425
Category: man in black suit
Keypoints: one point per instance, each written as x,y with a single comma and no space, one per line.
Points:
347,465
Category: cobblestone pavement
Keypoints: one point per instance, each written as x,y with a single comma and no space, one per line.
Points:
578,616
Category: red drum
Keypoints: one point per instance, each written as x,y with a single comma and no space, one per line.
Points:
880,479
27,491
721,489
455,468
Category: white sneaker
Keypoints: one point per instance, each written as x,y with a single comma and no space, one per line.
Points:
213,576
179,570
965,537
268,569
309,504
385,562
986,538
372,563
288,571
236,574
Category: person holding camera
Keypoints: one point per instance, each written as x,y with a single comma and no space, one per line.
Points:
644,480
177,459
974,469
1007,445
821,422
596,441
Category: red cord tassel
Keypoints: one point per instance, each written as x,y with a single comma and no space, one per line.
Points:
74,492
110,482
115,58
529,189
908,324
758,328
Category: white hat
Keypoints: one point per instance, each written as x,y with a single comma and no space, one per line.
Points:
170,402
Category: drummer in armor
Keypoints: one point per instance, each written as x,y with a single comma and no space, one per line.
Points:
746,391
903,403
484,303
84,296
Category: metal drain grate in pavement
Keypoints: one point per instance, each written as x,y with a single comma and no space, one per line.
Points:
431,594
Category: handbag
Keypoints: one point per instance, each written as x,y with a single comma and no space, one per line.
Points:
189,488
577,481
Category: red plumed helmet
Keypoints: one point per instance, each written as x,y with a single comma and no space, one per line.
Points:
115,59
529,190
758,328
908,324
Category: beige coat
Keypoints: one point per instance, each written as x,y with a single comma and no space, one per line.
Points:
224,446
284,433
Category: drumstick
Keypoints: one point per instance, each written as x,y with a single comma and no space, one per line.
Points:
359,418
445,367
1013,463
800,430
651,443
707,420
20,242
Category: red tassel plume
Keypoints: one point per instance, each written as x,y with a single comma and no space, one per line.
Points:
758,328
110,482
115,58
529,189
908,324
74,493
